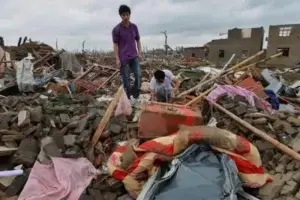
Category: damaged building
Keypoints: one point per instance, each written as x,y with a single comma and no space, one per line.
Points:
285,38
242,42
198,52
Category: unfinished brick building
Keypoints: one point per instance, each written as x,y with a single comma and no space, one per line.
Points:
198,52
242,42
285,38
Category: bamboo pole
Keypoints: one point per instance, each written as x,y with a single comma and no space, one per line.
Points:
107,116
217,76
285,149
198,98
254,64
246,61
85,73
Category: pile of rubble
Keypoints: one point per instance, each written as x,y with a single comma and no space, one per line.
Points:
284,127
39,127
21,51
72,101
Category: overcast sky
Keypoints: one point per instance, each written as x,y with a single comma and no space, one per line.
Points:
188,22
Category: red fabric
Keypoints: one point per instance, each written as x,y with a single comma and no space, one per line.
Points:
245,166
119,174
243,146
195,136
156,147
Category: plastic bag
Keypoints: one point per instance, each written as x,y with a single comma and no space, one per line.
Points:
124,106
25,80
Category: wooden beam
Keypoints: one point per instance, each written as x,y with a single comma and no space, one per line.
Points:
254,64
285,149
217,76
39,56
109,78
85,73
107,116
198,98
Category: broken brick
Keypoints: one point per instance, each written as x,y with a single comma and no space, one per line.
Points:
271,190
23,118
240,110
115,128
17,185
4,119
65,119
294,121
81,125
36,114
27,152
86,197
96,194
69,140
290,130
73,152
289,188
72,125
11,138
52,150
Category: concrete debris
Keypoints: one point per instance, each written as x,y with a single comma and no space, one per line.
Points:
23,118
60,118
70,140
281,126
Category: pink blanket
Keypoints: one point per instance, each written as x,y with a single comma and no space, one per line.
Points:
63,179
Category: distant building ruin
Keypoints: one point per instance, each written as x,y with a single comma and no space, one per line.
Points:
198,52
242,42
285,38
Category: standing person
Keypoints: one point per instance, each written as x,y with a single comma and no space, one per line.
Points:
163,86
127,51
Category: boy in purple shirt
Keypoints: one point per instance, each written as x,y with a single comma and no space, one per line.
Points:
127,50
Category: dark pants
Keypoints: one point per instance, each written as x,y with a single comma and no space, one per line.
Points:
163,95
125,70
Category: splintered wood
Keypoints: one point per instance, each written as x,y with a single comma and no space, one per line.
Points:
285,149
107,116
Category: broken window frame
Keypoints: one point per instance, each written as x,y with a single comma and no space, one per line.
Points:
285,31
246,33
285,51
221,53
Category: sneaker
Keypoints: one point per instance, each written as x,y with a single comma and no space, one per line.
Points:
133,101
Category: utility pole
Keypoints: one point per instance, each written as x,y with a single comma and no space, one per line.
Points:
56,44
166,41
83,43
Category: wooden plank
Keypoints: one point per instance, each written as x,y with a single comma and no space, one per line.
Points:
110,78
219,75
285,149
254,64
38,56
107,116
85,73
198,98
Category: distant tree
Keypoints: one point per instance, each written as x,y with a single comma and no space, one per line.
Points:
1,42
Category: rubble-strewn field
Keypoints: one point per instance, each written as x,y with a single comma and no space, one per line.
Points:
55,107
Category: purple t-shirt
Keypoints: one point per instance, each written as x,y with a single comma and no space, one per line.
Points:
126,39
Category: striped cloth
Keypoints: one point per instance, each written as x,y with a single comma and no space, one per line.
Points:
150,155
